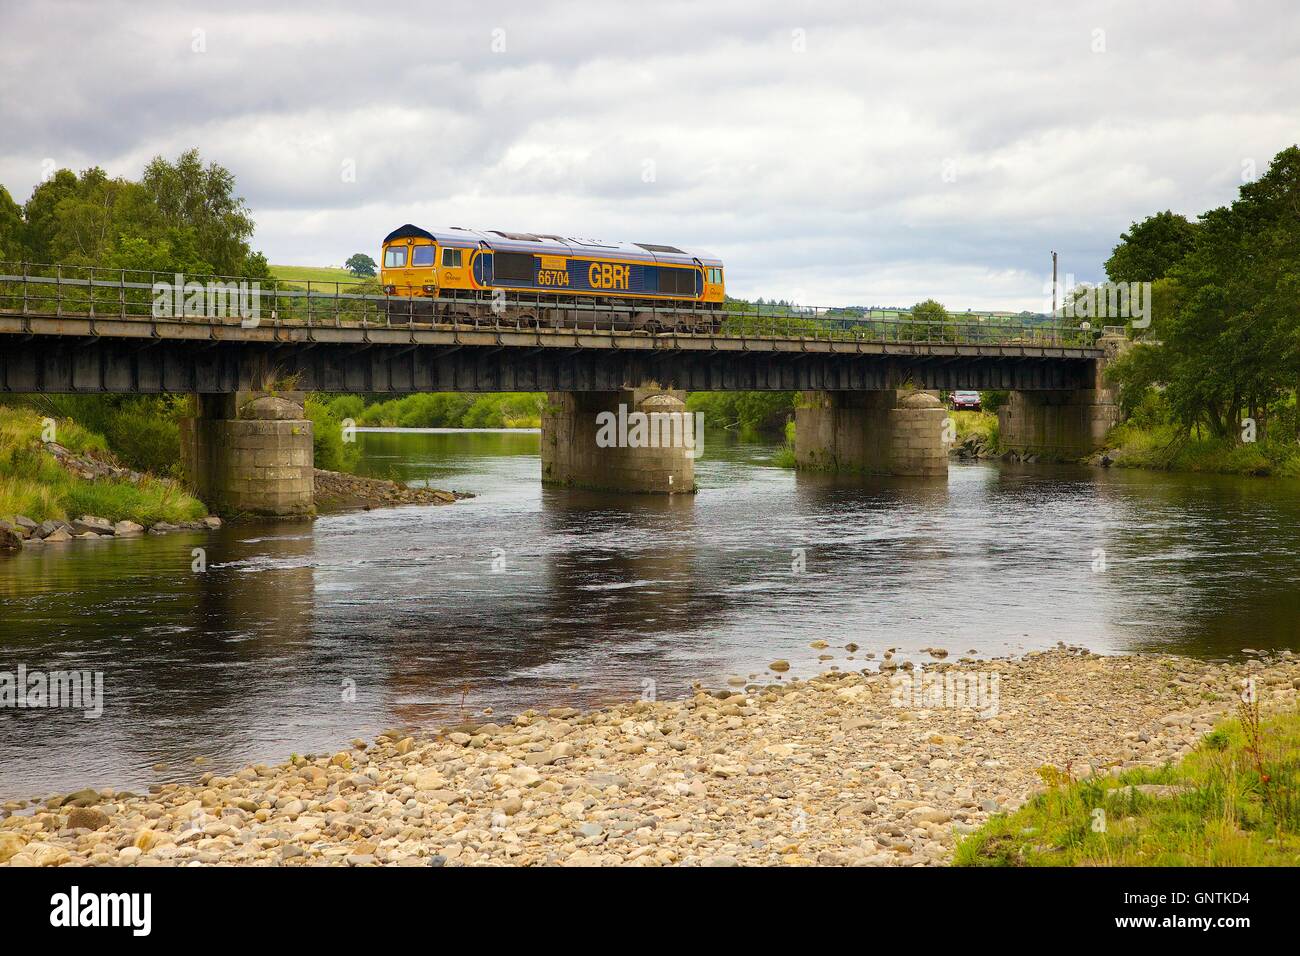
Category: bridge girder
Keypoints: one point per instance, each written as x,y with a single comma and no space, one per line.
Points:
120,365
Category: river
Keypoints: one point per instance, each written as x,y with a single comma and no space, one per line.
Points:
300,637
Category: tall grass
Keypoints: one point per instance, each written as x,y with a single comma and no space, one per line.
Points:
34,484
981,423
142,430
1234,801
1166,446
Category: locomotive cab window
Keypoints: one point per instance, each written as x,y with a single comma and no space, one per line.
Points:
395,257
422,256
451,258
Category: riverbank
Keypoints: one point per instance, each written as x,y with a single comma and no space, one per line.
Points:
56,470
1167,448
841,769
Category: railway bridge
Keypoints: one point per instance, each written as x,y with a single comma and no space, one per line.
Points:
865,384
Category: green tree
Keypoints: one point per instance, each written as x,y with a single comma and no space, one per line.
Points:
12,229
200,200
1151,248
930,311
1228,317
360,265
38,212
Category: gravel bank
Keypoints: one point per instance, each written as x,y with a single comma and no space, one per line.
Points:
826,771
337,491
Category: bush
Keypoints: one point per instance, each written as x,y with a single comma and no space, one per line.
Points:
752,413
454,410
331,452
142,430
32,482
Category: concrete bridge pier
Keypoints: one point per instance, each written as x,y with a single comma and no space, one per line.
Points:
639,440
1064,424
883,432
250,453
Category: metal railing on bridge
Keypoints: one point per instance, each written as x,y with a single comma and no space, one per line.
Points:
78,291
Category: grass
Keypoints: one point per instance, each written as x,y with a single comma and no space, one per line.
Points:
983,423
1166,447
1234,801
784,457
34,484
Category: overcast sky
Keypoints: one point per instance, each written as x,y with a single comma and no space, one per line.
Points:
829,153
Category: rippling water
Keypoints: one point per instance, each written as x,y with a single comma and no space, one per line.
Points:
530,597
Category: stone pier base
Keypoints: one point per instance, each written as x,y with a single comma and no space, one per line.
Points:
1064,425
577,449
250,454
885,432
1057,425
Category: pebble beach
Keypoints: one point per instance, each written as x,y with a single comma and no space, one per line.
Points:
837,769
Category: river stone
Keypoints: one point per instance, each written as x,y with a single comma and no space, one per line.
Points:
93,525
127,528
58,534
10,539
212,522
82,798
780,666
162,527
88,818
10,844
44,854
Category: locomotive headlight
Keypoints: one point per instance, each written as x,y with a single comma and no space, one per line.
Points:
390,290
429,289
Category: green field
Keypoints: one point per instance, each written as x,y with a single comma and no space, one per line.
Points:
312,274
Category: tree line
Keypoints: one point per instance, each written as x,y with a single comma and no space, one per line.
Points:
1222,353
181,216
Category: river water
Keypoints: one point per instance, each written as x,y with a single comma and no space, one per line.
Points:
299,637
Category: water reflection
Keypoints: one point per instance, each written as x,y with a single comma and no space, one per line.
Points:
300,637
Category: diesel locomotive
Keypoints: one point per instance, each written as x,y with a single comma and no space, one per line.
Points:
491,277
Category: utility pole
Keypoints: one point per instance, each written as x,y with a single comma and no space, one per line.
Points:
1053,283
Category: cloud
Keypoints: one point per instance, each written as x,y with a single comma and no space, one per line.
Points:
840,152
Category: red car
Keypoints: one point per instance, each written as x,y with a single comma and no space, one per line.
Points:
965,401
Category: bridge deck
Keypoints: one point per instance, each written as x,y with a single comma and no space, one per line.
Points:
196,329
71,329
